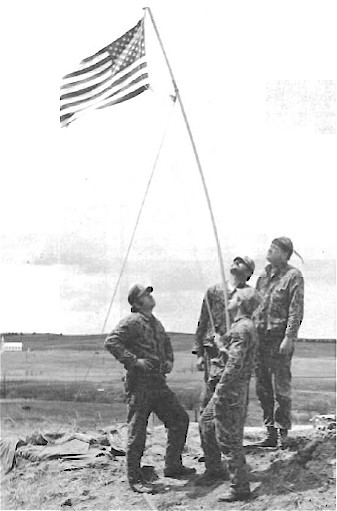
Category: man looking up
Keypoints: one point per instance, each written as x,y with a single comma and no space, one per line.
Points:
222,422
140,342
212,321
277,320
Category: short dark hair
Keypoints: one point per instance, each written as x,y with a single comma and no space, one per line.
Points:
138,301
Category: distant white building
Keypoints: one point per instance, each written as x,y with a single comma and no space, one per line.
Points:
10,346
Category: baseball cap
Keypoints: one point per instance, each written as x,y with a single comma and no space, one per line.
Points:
137,291
247,261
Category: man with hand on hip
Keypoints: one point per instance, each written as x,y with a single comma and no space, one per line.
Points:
141,344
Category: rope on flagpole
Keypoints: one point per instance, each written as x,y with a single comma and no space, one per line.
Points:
222,270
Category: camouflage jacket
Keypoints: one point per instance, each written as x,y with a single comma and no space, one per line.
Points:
204,335
281,310
138,336
240,350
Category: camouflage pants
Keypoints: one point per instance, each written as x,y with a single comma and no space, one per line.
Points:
163,402
273,381
221,431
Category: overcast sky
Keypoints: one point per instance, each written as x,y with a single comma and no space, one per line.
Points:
258,81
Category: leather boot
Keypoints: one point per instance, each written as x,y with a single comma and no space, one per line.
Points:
142,487
210,477
180,471
232,496
271,438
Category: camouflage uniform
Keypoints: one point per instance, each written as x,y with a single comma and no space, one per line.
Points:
280,314
204,344
138,336
222,422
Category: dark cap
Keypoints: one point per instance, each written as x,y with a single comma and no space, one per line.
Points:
250,299
247,261
284,243
137,291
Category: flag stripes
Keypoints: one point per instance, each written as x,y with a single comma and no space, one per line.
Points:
114,74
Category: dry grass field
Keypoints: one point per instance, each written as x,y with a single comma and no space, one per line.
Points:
66,384
74,379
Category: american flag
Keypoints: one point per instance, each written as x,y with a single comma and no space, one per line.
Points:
114,74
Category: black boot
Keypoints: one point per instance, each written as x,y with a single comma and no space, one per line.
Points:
233,496
179,471
271,438
140,486
210,477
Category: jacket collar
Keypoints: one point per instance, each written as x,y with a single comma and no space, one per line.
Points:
272,271
145,317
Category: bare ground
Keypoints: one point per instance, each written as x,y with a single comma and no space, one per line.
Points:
299,477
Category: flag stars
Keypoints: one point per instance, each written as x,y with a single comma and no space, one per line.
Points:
122,53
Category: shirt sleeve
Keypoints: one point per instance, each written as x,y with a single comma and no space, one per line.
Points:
198,348
116,343
296,305
168,348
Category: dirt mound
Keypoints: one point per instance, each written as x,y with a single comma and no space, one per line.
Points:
302,476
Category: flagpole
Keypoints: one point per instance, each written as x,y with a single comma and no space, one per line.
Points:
222,269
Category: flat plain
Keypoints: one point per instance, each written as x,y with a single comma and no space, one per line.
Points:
74,379
65,385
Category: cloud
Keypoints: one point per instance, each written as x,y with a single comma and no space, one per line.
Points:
87,254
